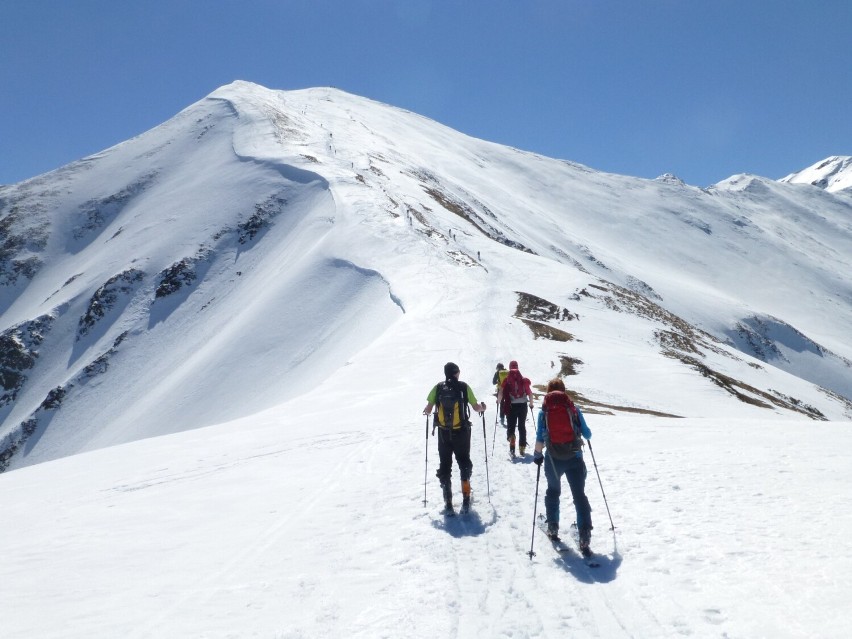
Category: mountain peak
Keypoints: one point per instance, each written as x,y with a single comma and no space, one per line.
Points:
670,178
832,174
247,89
263,246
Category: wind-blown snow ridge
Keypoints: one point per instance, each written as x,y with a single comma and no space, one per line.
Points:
263,243
370,273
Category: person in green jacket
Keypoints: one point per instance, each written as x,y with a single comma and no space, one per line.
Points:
499,377
452,400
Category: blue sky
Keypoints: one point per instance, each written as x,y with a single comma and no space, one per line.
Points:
697,88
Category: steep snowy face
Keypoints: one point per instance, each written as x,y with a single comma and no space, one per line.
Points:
171,282
833,174
263,247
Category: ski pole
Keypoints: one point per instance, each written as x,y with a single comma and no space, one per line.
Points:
485,441
494,438
535,507
601,483
426,469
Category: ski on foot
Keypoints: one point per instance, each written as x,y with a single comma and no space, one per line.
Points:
588,555
584,549
558,544
564,549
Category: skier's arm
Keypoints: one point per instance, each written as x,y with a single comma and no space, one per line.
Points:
471,398
528,391
539,433
431,399
583,428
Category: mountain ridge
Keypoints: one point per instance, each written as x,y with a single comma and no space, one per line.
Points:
834,174
277,235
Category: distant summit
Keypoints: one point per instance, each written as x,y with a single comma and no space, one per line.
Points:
832,174
670,178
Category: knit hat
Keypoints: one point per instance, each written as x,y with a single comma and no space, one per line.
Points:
500,366
450,370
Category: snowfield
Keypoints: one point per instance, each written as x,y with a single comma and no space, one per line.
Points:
309,523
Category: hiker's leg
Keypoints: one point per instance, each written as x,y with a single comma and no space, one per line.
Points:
576,474
461,448
511,423
445,456
554,488
521,410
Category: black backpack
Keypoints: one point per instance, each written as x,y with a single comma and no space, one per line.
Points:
451,407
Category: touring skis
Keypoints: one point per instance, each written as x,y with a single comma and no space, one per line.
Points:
564,549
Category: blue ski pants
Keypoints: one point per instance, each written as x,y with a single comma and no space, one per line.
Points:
574,470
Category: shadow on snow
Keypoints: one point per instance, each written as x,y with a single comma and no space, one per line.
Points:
469,524
605,572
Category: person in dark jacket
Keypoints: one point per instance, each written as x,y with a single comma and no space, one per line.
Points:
499,375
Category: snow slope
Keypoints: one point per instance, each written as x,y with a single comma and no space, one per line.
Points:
217,339
245,250
833,174
259,528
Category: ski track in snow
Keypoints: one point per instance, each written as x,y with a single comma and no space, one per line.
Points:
532,590
201,592
264,530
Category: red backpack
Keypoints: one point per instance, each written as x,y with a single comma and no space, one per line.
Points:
562,421
514,385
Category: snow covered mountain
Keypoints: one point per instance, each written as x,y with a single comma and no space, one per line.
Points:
833,174
217,339
261,244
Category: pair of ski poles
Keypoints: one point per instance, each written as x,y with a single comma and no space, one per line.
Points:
531,553
426,469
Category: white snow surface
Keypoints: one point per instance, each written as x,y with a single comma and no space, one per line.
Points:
306,523
244,456
832,174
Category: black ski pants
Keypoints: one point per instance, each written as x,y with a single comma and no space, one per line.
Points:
517,417
454,442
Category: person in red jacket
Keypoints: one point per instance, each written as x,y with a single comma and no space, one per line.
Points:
519,396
